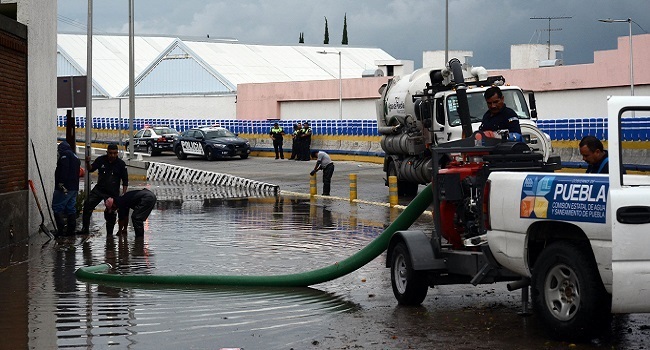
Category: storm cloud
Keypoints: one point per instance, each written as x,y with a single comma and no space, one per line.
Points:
403,28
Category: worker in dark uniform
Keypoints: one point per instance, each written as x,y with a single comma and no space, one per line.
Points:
277,135
594,153
295,140
111,171
305,140
499,116
64,200
142,203
323,162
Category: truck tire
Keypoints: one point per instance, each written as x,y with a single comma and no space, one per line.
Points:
409,286
404,188
179,153
568,293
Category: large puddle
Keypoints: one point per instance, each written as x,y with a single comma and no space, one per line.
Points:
213,231
203,230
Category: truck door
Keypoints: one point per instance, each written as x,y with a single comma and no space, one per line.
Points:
630,209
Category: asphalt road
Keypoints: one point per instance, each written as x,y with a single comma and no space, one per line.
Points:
293,176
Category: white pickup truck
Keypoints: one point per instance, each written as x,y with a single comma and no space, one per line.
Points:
581,242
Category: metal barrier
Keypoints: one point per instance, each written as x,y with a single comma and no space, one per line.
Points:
168,172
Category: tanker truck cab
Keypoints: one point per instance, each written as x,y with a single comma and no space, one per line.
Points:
578,242
422,110
447,124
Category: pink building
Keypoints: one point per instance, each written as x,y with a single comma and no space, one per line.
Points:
576,91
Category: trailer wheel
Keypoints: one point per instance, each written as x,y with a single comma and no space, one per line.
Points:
409,286
568,293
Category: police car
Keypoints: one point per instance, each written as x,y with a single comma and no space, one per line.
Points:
211,143
153,140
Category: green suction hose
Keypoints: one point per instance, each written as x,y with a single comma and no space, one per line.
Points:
303,279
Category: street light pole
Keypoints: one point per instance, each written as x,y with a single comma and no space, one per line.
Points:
340,81
89,93
629,21
340,90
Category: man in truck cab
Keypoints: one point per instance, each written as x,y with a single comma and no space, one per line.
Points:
594,154
499,116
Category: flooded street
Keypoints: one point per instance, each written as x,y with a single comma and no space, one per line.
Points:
203,230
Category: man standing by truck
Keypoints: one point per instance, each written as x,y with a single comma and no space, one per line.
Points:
594,154
499,116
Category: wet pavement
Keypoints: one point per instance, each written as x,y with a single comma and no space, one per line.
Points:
200,229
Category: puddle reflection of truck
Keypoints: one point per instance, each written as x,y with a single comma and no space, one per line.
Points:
502,214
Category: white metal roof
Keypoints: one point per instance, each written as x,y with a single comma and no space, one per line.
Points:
236,63
111,56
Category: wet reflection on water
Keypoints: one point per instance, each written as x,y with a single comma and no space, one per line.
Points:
216,231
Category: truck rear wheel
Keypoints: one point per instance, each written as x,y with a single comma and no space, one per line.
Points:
409,286
568,293
404,188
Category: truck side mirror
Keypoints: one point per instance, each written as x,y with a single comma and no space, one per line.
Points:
531,104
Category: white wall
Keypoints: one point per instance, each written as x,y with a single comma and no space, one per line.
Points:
529,55
587,103
328,110
40,18
180,107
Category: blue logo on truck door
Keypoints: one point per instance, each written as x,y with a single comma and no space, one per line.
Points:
568,198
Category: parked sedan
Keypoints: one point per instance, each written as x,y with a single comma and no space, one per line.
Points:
211,143
153,140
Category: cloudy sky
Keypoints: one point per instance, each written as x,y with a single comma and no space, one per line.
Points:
403,28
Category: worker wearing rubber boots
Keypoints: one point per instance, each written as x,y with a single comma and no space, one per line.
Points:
111,171
142,203
64,200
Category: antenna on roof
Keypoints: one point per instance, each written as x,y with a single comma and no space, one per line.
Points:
549,30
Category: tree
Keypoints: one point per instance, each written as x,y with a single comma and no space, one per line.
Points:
344,41
301,38
326,41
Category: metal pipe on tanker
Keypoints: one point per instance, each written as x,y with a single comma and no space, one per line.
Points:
461,93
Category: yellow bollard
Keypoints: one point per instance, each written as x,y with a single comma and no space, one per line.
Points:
313,180
392,190
353,187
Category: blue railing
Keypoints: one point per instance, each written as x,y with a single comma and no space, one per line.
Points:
357,127
634,129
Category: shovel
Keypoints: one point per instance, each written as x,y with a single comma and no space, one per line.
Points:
38,204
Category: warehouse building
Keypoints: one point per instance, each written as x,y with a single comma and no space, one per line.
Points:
190,79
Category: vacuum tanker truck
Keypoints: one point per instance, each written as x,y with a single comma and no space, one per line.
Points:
421,110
